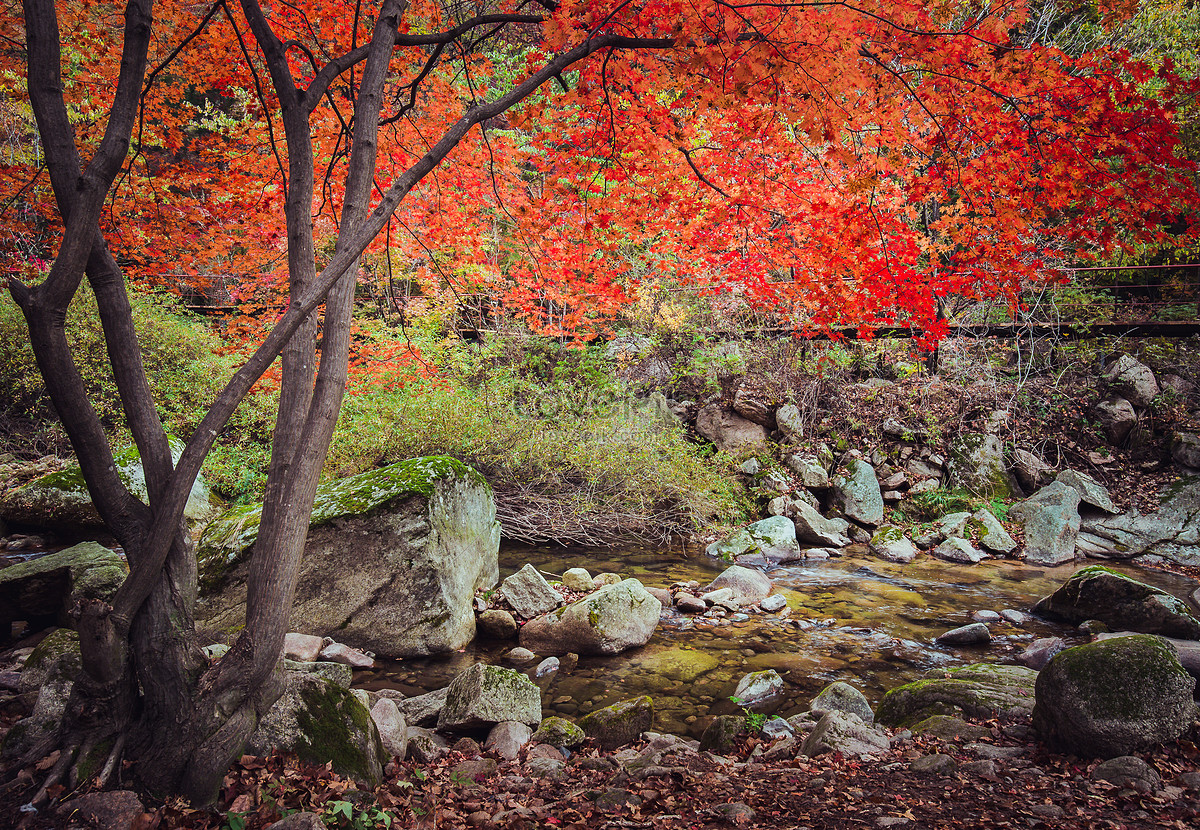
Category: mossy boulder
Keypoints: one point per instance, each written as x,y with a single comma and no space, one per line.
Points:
61,499
619,724
979,690
1113,697
483,696
976,464
421,535
559,732
321,722
43,591
611,620
1120,602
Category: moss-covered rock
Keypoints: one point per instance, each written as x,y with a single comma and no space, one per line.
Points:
1120,602
61,499
422,536
609,621
486,695
44,590
619,724
1113,697
979,690
559,732
322,723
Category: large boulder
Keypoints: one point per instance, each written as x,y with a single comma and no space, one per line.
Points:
619,724
729,431
61,500
748,585
979,690
321,723
976,464
1113,697
1051,522
1120,602
844,732
1131,380
1172,531
770,541
856,492
529,594
421,535
43,591
484,695
611,620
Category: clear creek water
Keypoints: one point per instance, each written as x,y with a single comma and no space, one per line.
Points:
854,618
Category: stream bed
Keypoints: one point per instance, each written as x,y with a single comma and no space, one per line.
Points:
854,618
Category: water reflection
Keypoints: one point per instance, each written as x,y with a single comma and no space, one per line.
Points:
855,618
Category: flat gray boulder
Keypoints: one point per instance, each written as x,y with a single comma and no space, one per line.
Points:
979,690
529,594
43,591
483,696
1113,697
1120,602
421,535
608,621
1050,518
856,491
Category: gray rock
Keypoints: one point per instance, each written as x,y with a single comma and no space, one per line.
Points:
1117,419
748,585
1185,450
846,733
423,537
393,729
1128,771
773,603
856,492
759,691
1091,492
842,697
578,579
992,535
889,542
979,690
507,738
61,500
620,723
1038,653
1051,523
968,635
496,624
959,550
1121,602
321,722
1130,379
1031,471
729,431
770,541
43,590
977,465
556,731
608,621
529,594
1113,697
423,710
811,471
485,695
814,529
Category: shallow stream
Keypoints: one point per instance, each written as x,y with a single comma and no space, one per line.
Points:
860,619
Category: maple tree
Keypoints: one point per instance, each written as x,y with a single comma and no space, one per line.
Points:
837,161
